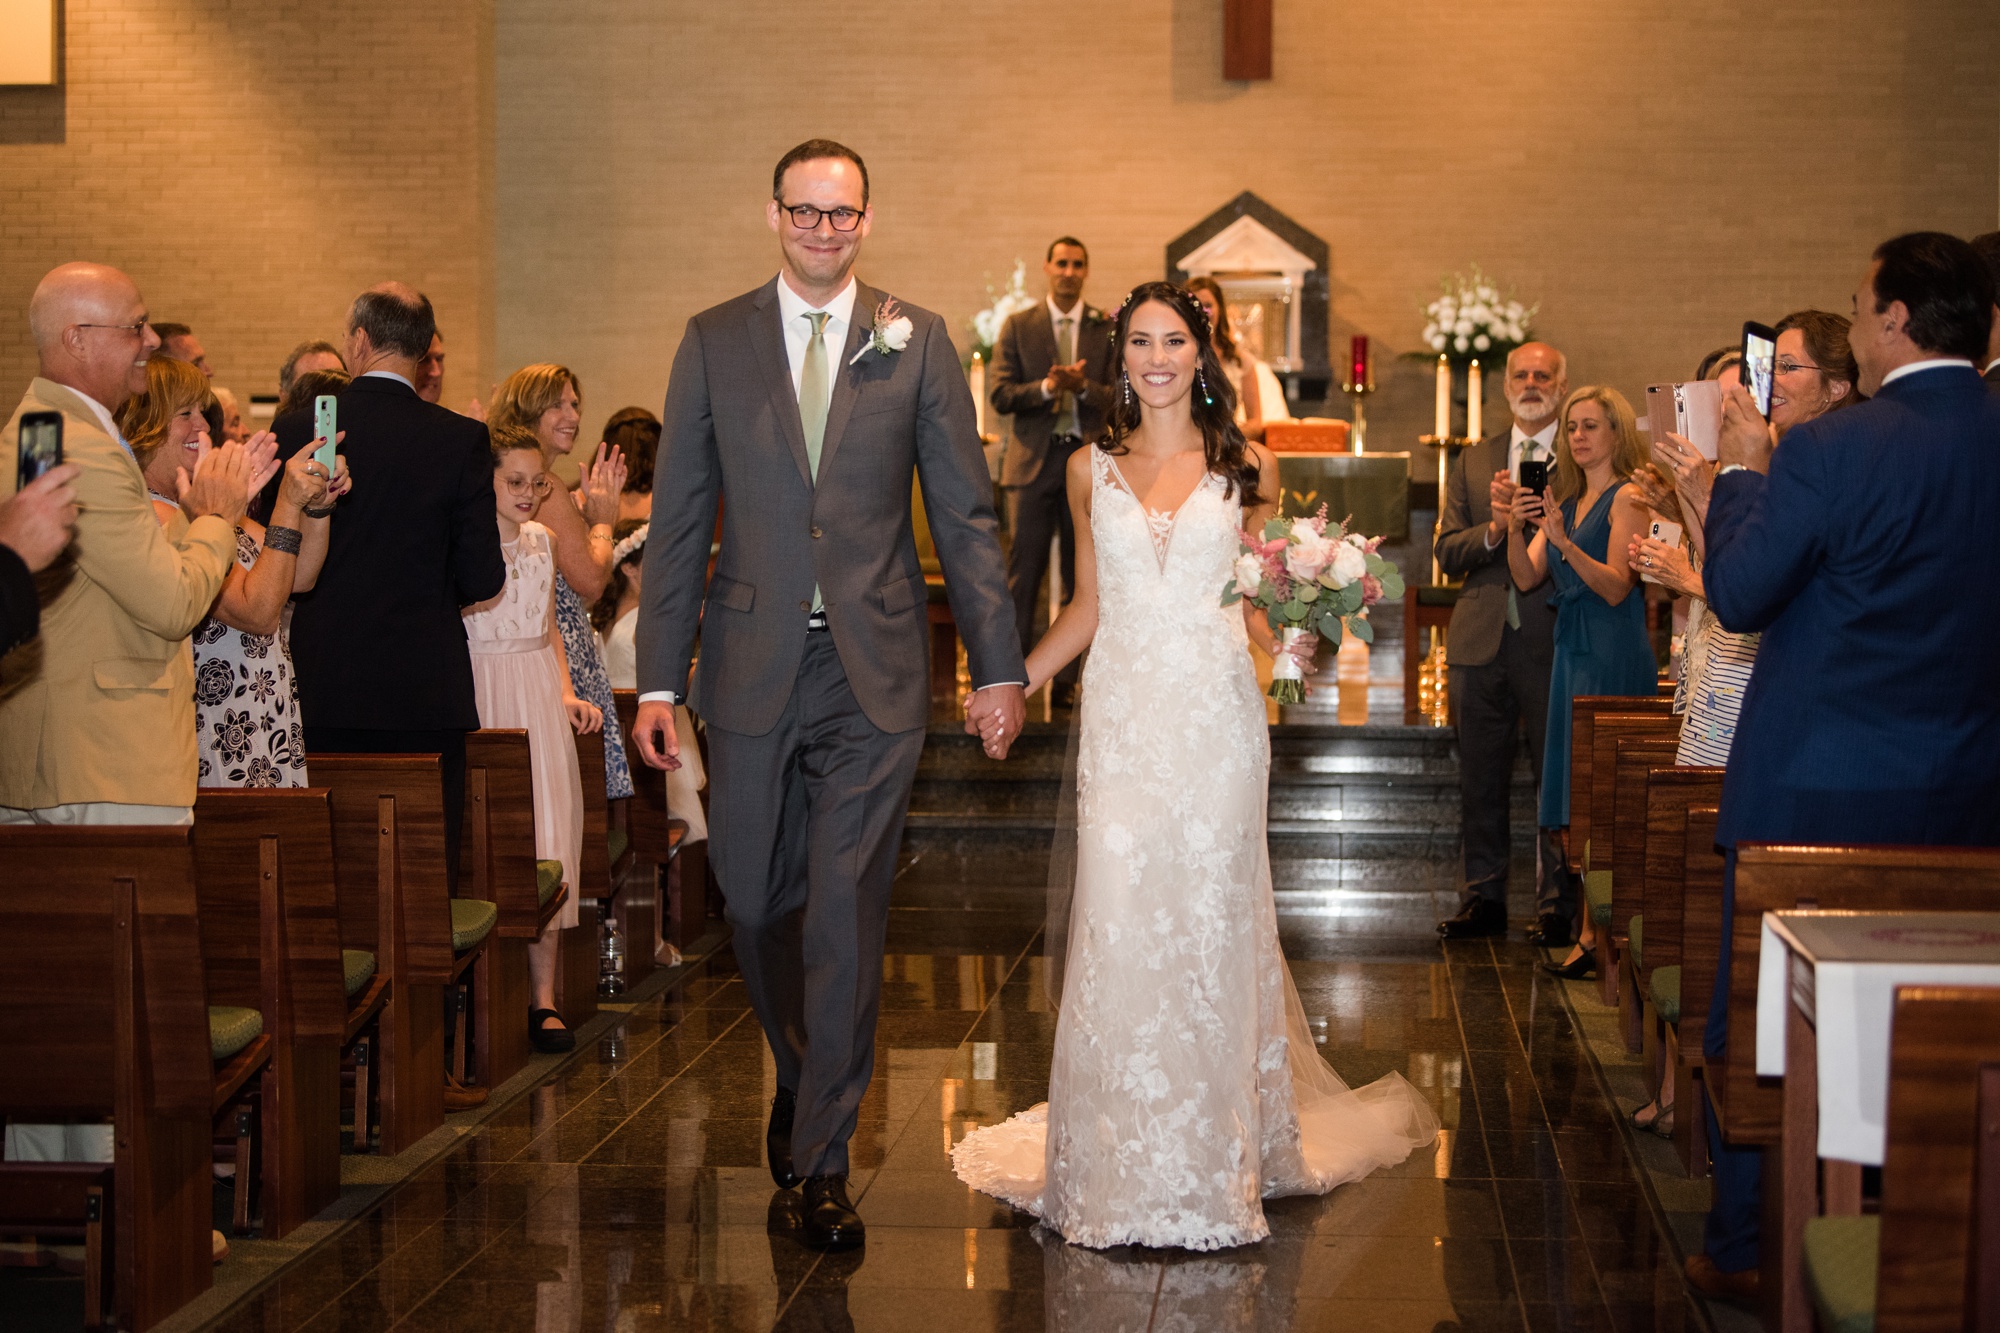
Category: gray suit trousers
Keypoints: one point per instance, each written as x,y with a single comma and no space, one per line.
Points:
804,826
1491,704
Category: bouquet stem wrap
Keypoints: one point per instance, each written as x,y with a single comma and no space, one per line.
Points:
1288,678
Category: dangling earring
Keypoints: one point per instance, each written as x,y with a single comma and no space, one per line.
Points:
1201,380
1126,380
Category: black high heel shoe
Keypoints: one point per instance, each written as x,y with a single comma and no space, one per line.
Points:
1579,968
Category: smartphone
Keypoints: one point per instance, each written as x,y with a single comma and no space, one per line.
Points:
1535,475
1760,363
40,444
324,413
1666,533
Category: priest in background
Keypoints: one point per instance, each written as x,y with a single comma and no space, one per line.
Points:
1052,374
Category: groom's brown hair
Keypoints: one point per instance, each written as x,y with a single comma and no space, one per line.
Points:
811,150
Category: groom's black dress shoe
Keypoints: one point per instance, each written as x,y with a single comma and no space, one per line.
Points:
778,1138
1478,919
831,1222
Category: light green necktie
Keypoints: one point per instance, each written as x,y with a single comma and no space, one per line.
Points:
1066,353
1528,448
815,395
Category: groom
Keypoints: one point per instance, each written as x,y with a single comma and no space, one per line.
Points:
804,406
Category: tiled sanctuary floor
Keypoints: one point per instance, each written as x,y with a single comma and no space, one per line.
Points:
629,1192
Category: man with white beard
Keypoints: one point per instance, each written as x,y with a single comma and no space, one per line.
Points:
1499,647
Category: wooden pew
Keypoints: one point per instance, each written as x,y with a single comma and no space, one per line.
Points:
577,972
388,840
498,864
1636,759
1583,711
101,976
270,928
1601,852
1701,949
1773,877
1672,854
678,920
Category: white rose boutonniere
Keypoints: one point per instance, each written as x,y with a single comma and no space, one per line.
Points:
891,331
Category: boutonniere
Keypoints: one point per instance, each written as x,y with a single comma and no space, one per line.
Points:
891,332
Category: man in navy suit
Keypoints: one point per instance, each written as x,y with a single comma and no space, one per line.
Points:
1861,550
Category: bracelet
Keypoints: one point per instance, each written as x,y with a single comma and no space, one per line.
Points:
283,539
317,513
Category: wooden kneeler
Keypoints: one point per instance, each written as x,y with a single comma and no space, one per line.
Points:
270,924
388,840
101,975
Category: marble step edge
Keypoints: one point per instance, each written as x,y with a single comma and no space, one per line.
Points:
930,822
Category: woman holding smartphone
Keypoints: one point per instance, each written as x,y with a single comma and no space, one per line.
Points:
1587,521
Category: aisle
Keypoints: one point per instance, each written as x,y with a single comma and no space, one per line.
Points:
629,1192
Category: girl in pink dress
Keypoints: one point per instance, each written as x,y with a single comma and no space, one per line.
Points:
522,678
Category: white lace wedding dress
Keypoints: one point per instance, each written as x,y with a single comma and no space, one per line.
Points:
1186,1087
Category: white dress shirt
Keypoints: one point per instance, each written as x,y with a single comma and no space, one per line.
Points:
1918,367
1056,317
387,375
1544,441
103,415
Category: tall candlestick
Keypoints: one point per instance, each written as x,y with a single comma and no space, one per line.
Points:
1443,415
1359,357
1473,385
979,393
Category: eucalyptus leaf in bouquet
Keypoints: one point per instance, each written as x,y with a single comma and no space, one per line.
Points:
1310,576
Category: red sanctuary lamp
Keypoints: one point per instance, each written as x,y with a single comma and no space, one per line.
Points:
1360,383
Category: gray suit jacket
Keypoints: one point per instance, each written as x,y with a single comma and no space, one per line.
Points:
1480,617
732,434
1021,361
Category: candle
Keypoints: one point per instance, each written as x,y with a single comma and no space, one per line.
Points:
1359,356
1473,384
1443,415
979,393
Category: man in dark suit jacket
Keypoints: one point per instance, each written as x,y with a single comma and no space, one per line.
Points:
378,645
1987,245
1499,647
1873,715
1052,374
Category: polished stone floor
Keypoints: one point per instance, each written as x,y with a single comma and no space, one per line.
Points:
629,1193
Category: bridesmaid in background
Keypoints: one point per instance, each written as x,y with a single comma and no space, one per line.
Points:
522,675
1590,512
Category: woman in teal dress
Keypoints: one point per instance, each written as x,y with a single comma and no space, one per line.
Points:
1601,647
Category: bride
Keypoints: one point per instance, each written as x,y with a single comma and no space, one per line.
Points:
1186,1087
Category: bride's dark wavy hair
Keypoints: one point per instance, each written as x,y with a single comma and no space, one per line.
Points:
1212,402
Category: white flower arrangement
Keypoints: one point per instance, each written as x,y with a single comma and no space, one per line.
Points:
1473,318
986,324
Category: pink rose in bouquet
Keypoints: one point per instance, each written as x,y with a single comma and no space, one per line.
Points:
1310,576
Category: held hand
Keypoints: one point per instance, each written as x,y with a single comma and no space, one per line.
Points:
37,521
653,728
1746,436
220,485
1527,508
584,717
996,715
1500,495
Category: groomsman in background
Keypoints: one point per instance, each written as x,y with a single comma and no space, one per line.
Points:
1499,648
178,341
1987,247
1052,374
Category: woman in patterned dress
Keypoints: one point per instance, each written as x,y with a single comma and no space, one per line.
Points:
246,703
547,400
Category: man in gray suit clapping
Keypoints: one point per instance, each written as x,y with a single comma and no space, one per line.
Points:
804,407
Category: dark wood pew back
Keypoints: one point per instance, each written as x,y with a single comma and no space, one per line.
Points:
1774,877
1583,711
101,976
578,994
1701,923
655,837
1669,794
497,862
270,925
1607,729
1635,758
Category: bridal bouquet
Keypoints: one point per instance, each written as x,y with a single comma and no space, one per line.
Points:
1310,576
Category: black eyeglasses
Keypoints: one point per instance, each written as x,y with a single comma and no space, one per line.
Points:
1789,367
805,217
133,329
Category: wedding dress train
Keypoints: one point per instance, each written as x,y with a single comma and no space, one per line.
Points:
1186,1087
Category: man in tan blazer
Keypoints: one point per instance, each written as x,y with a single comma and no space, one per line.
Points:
97,715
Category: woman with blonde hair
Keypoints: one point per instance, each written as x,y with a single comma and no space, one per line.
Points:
248,732
1587,523
546,400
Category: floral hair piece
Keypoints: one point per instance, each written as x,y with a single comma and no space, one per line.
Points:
634,542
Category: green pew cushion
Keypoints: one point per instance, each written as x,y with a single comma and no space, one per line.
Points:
616,841
1597,890
1665,991
1635,937
1843,1255
548,878
231,1028
356,967
471,919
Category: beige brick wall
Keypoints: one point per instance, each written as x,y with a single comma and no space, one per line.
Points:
1650,202
253,165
